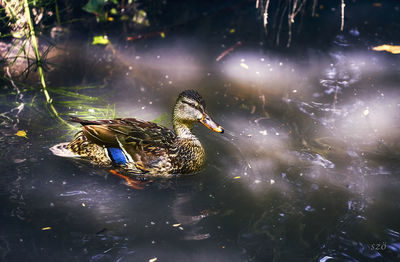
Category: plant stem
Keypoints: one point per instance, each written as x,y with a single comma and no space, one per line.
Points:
40,68
57,14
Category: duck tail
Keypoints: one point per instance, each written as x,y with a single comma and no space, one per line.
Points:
62,150
76,148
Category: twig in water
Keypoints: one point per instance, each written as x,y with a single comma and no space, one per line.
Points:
278,34
223,54
313,7
291,15
20,97
342,23
266,14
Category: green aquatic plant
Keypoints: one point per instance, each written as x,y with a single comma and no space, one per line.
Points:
38,61
22,24
73,102
60,101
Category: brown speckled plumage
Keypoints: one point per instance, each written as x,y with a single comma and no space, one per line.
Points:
151,149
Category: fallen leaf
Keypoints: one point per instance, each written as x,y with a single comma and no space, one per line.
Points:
100,40
21,133
394,49
176,225
236,177
46,228
162,34
153,259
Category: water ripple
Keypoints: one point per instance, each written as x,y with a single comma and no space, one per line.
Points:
74,193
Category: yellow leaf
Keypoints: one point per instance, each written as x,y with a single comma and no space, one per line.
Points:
232,31
110,18
46,228
100,40
162,34
236,177
18,34
21,133
394,49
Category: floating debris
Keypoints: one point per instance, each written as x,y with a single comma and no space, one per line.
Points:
245,66
394,49
264,132
100,40
153,259
176,225
237,177
309,209
21,133
228,51
46,228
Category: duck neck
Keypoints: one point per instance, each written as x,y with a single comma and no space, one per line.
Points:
191,156
183,129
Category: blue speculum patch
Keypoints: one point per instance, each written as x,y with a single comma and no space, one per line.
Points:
117,155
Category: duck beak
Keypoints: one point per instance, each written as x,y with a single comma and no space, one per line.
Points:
207,121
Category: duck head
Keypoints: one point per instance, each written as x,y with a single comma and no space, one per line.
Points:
190,108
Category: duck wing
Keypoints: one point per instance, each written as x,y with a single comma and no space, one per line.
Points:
125,130
146,143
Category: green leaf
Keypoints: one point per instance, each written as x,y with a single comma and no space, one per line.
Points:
95,6
100,40
141,18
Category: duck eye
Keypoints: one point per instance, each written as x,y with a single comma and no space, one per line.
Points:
190,104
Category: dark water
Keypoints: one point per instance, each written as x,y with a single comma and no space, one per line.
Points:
308,169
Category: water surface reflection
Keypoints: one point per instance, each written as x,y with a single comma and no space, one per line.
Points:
307,169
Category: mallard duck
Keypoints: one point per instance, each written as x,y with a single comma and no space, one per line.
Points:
145,148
